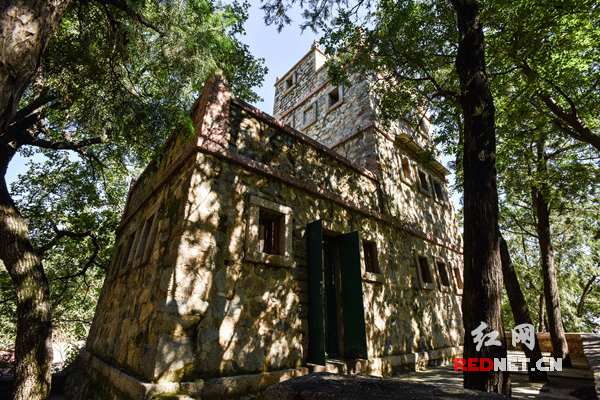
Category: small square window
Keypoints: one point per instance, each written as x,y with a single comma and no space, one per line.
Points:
289,82
443,274
334,97
370,256
269,235
270,229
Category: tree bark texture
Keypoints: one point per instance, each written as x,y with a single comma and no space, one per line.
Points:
520,312
541,314
555,325
26,27
482,296
33,347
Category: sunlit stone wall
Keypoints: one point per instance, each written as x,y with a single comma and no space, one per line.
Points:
185,299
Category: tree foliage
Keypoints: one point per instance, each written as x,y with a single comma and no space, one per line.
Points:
107,80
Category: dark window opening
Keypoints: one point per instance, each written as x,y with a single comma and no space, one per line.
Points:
370,254
443,273
425,271
423,181
289,82
459,281
437,188
334,97
118,256
270,232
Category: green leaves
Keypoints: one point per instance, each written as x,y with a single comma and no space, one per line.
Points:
117,78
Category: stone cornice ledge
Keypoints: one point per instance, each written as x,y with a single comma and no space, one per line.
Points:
207,146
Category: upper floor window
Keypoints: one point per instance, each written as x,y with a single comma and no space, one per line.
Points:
406,170
424,182
443,273
334,97
437,190
291,81
425,273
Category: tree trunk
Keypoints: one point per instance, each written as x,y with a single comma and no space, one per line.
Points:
555,325
541,314
520,312
26,27
482,295
586,290
33,347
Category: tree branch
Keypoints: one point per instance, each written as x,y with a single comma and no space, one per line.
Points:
90,261
61,233
577,129
65,145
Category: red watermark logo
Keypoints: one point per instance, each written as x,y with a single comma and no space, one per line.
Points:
524,333
505,364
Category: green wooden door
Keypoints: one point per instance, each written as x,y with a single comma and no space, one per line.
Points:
355,336
316,303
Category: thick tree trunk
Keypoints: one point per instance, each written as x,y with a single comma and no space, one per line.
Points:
33,349
482,296
26,27
520,312
555,325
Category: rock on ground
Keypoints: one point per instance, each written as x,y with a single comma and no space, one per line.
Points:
327,386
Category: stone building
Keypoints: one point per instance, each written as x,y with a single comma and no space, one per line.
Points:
261,247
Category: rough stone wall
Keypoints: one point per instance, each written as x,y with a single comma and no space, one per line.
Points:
406,200
194,302
307,107
132,311
306,75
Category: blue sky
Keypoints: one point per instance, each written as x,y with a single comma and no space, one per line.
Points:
280,50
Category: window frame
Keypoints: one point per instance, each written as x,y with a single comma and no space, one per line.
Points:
457,287
439,197
340,95
405,161
252,234
425,175
370,276
425,285
444,288
289,82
